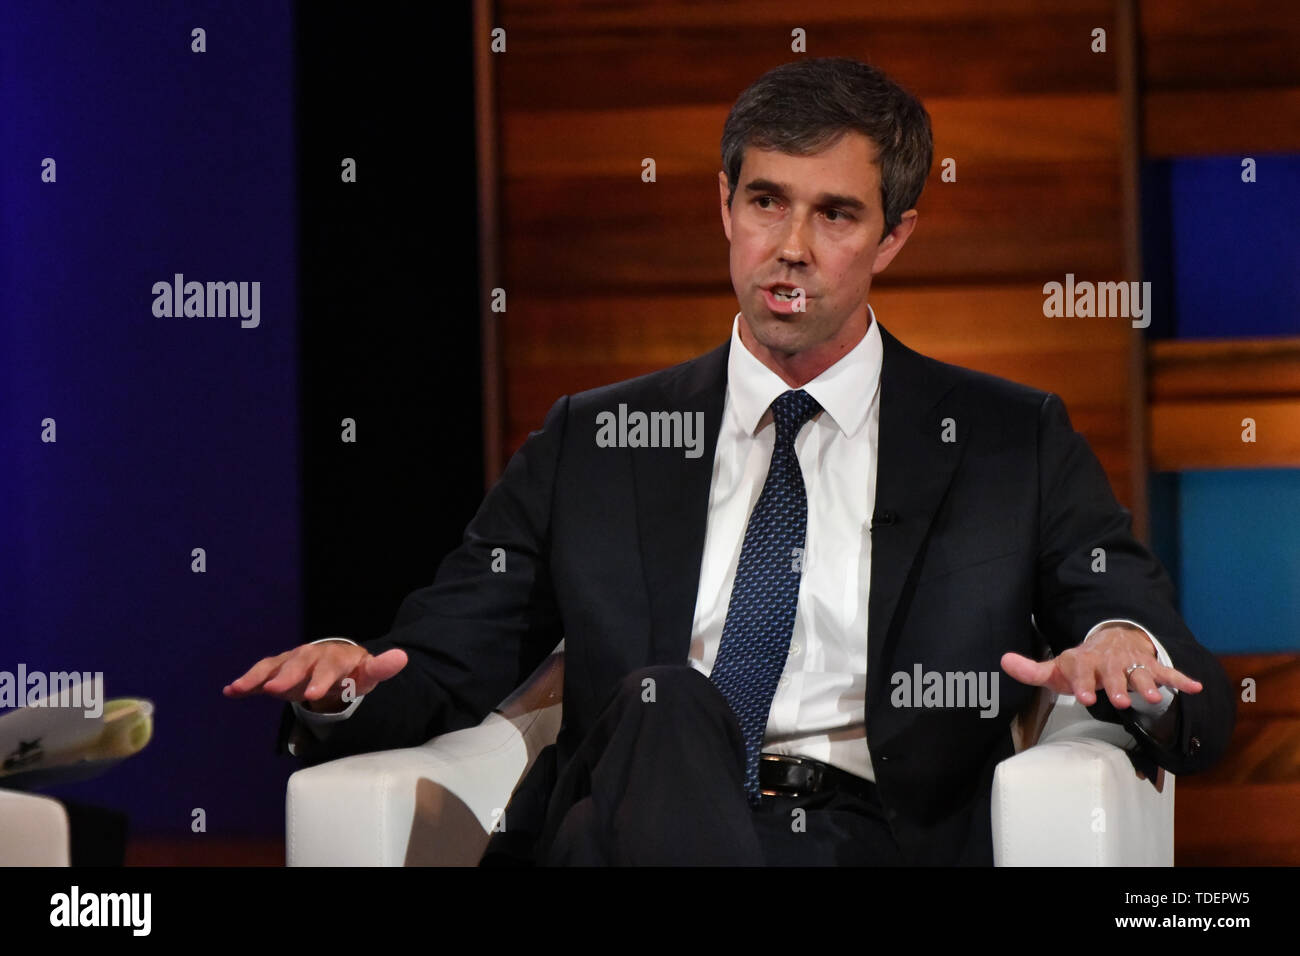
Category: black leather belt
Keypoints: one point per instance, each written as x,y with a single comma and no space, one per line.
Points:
789,776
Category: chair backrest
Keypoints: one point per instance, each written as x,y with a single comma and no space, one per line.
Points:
543,688
1027,726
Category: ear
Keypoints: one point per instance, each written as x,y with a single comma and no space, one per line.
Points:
893,243
726,212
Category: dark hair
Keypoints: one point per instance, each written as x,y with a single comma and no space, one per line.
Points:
806,106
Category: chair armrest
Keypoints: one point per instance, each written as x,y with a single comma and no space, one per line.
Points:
33,830
1074,799
435,804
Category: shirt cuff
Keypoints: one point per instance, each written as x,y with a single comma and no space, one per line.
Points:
1138,702
317,722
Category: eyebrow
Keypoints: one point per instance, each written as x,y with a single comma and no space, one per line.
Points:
825,199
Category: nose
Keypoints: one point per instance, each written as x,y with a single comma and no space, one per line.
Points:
794,248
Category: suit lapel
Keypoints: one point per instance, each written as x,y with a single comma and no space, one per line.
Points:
914,469
672,502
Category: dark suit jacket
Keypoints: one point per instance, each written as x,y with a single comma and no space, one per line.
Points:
970,537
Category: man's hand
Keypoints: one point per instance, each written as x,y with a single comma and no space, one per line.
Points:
314,674
1101,661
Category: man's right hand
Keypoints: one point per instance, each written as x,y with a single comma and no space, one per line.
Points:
314,674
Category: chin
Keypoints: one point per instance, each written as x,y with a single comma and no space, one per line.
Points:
776,335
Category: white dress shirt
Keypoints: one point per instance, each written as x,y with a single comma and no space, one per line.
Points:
819,709
820,705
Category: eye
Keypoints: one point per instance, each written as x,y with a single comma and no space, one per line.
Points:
761,198
839,212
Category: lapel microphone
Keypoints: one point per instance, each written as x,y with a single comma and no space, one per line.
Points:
883,518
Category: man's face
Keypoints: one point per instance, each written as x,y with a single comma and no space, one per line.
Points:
814,223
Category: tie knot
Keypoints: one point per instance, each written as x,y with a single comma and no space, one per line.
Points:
790,411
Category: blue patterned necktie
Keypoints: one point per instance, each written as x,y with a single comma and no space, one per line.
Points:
760,617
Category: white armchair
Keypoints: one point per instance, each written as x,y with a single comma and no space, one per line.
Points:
1069,797
33,830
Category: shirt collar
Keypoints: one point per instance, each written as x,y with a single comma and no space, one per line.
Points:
845,390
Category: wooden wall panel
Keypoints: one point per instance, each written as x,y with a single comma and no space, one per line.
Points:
615,239
1225,368
1220,78
1243,812
1201,391
609,277
1224,79
1244,122
638,53
1202,434
566,346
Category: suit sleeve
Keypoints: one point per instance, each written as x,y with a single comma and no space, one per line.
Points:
477,632
1090,568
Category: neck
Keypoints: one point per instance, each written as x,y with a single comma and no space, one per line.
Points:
800,368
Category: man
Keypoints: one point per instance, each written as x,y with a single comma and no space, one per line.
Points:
857,518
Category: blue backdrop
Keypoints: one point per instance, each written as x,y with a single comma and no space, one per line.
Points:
1229,251
172,433
1236,255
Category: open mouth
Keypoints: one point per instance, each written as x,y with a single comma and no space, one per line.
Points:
785,300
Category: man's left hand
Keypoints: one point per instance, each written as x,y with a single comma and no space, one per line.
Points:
1101,661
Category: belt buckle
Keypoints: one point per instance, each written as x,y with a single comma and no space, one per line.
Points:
813,769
